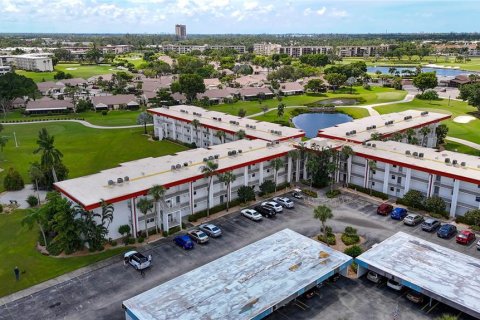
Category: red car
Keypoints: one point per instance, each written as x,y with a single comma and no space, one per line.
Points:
465,237
384,209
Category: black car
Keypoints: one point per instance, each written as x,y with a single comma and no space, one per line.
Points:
265,211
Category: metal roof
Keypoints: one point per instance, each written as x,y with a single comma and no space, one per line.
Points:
443,272
243,284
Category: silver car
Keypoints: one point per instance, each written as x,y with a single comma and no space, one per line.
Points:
198,236
413,219
211,230
284,202
137,260
273,205
251,214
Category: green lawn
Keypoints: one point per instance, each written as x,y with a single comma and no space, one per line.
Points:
468,131
457,147
17,245
135,59
85,150
76,70
375,95
355,113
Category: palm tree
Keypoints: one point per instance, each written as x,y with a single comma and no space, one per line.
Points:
3,142
157,192
36,216
195,123
410,133
50,155
323,213
397,136
372,166
425,131
392,70
346,152
312,168
280,109
228,177
331,168
276,164
240,134
145,205
376,136
209,170
220,135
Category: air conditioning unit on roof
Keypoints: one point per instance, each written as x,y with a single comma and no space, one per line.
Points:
119,180
111,183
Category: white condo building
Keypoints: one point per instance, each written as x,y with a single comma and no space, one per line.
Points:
31,61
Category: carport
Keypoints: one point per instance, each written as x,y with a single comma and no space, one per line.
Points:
445,275
249,283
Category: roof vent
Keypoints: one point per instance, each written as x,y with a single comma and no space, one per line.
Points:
126,178
178,166
369,144
119,180
463,164
185,164
447,160
421,155
347,133
424,113
277,142
415,154
374,145
172,167
216,156
408,153
454,162
354,131
364,143
111,183
210,158
374,126
239,151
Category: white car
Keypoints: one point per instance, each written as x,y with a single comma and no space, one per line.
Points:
374,277
211,230
284,202
137,260
251,214
273,205
394,285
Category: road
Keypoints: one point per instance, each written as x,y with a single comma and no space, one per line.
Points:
99,294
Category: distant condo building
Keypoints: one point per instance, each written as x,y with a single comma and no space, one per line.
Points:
298,51
181,31
181,49
30,62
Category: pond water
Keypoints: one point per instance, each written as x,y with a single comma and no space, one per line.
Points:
440,71
312,122
337,102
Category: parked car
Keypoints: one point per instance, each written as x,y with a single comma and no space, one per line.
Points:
412,219
394,285
415,297
183,241
137,260
273,205
297,193
430,225
398,213
265,211
198,236
447,231
384,209
211,230
251,214
374,277
284,202
465,237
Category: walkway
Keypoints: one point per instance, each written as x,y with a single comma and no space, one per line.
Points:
465,142
82,122
369,107
21,196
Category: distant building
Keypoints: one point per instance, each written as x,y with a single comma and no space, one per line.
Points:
182,49
4,70
266,49
298,51
30,62
181,31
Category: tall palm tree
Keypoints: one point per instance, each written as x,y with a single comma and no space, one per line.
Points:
240,134
220,135
157,192
209,170
196,123
425,131
50,156
372,166
276,164
312,167
410,133
145,205
323,213
294,155
228,177
331,168
346,153
36,216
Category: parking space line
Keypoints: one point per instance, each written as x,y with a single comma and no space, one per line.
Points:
434,306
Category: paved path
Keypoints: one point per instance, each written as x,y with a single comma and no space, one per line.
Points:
369,107
21,196
465,142
82,122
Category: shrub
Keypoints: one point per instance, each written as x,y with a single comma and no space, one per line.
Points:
428,95
350,230
374,193
124,229
246,193
310,193
174,230
140,239
13,181
267,187
332,193
413,199
330,239
104,112
131,240
471,218
436,205
354,267
54,249
1,208
349,239
284,185
353,251
32,200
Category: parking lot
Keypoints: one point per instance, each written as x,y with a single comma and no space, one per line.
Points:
99,294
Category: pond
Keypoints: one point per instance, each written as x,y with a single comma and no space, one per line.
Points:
337,102
312,122
440,71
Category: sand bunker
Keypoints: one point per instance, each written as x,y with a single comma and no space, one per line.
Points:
463,119
70,68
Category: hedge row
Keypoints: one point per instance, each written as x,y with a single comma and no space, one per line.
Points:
310,193
374,193
201,214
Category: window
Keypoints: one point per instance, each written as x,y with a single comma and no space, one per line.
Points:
150,220
194,193
253,175
177,199
393,177
394,165
194,205
398,190
392,189
436,190
477,198
268,170
374,171
373,183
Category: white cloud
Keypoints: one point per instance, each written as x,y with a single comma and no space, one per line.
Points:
339,13
321,11
307,12
250,5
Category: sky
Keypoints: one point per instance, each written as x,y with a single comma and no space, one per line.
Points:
236,16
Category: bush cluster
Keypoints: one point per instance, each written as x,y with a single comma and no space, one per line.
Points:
310,193
201,214
332,193
353,251
32,201
428,95
331,240
415,199
349,236
374,193
13,181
